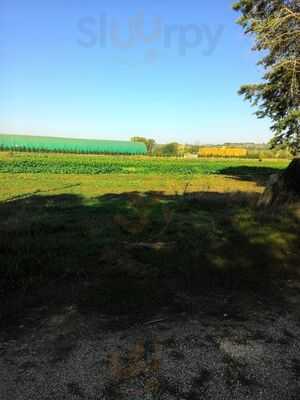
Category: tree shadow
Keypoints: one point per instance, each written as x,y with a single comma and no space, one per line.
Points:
260,175
138,252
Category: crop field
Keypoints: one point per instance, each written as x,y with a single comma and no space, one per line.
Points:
81,164
222,152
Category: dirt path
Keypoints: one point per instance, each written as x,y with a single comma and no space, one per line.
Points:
212,349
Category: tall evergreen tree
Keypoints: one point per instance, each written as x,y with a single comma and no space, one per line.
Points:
275,25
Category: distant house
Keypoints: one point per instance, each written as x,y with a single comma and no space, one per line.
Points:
190,155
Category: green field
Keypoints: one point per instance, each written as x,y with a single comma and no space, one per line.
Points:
129,232
95,165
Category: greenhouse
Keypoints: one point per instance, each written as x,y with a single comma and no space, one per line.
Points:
67,145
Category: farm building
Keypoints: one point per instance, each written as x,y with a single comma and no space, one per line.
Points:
190,155
222,152
67,145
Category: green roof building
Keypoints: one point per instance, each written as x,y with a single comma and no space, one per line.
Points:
66,145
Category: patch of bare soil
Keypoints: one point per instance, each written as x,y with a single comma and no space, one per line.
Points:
215,346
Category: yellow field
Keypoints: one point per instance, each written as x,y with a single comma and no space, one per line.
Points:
222,152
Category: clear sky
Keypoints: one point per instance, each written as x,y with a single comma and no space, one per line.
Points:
112,69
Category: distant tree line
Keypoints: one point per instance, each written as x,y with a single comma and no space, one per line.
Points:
175,149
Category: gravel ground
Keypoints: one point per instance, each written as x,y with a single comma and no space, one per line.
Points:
214,349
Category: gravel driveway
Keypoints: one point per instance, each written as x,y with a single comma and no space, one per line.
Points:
214,348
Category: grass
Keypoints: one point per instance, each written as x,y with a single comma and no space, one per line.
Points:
127,242
15,186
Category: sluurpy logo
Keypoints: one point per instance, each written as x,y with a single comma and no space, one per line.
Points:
104,31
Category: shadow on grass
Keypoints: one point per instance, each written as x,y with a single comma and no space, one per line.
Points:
260,175
135,252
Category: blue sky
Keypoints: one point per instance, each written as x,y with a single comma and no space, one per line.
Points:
69,69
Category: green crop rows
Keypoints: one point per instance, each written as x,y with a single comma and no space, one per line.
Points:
81,164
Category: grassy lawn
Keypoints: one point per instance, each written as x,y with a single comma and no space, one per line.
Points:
21,185
131,241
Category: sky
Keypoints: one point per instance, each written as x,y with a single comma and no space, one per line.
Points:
113,69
